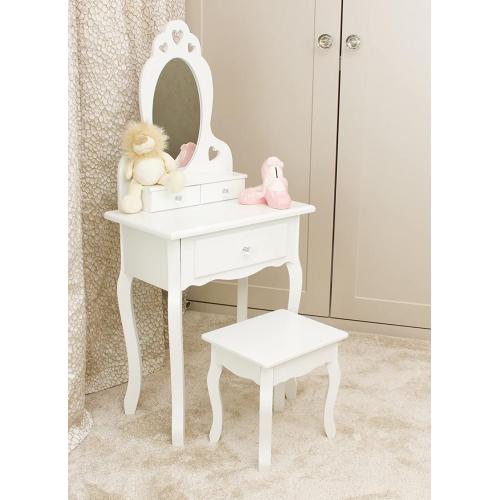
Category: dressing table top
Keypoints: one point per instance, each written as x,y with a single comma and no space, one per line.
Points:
204,219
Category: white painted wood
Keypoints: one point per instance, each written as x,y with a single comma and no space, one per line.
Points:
213,378
242,301
136,245
295,275
188,49
157,198
300,366
237,365
156,201
206,219
242,248
265,417
175,341
159,249
176,41
274,338
270,350
229,274
126,307
237,253
268,52
382,223
295,294
204,179
220,191
331,396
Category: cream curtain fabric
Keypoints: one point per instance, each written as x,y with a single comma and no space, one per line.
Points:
109,41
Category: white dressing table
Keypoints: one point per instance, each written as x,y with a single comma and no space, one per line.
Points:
202,233
176,249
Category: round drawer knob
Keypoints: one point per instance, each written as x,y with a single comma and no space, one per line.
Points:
353,42
225,190
246,250
325,41
178,197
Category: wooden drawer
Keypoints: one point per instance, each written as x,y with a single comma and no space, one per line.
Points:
162,199
220,191
236,249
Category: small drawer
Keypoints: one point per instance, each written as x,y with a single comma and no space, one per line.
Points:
220,191
162,199
236,249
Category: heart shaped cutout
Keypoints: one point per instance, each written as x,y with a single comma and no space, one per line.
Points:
191,47
212,153
163,47
177,36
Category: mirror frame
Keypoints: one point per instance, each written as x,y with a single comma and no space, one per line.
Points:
188,49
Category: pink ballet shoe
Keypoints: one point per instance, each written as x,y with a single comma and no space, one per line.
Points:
255,195
252,196
186,153
278,199
276,185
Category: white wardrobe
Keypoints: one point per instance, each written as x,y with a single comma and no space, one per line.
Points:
340,91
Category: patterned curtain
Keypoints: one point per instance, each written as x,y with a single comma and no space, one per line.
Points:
109,41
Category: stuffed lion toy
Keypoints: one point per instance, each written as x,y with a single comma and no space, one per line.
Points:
147,164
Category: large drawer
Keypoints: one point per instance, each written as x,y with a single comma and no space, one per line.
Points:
162,199
220,191
238,248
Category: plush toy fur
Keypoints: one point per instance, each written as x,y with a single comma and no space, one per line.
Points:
147,163
134,131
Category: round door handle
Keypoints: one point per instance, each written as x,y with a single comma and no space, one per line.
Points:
325,41
353,42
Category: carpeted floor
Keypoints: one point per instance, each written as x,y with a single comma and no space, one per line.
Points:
382,447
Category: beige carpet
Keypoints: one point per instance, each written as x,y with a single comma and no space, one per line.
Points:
382,447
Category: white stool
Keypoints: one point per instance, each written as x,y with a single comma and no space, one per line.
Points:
271,349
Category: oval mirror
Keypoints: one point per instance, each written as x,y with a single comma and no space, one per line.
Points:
176,106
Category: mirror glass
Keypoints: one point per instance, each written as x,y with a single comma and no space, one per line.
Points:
176,106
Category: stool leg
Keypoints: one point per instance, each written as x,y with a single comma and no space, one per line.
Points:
279,397
333,388
213,378
265,417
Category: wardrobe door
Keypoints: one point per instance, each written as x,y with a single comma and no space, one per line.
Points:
381,263
275,93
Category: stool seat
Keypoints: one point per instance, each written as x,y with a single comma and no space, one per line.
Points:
271,349
274,338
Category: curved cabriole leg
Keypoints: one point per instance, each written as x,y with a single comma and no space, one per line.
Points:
331,396
126,307
295,285
265,418
213,379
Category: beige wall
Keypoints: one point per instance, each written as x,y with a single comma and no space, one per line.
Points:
277,93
